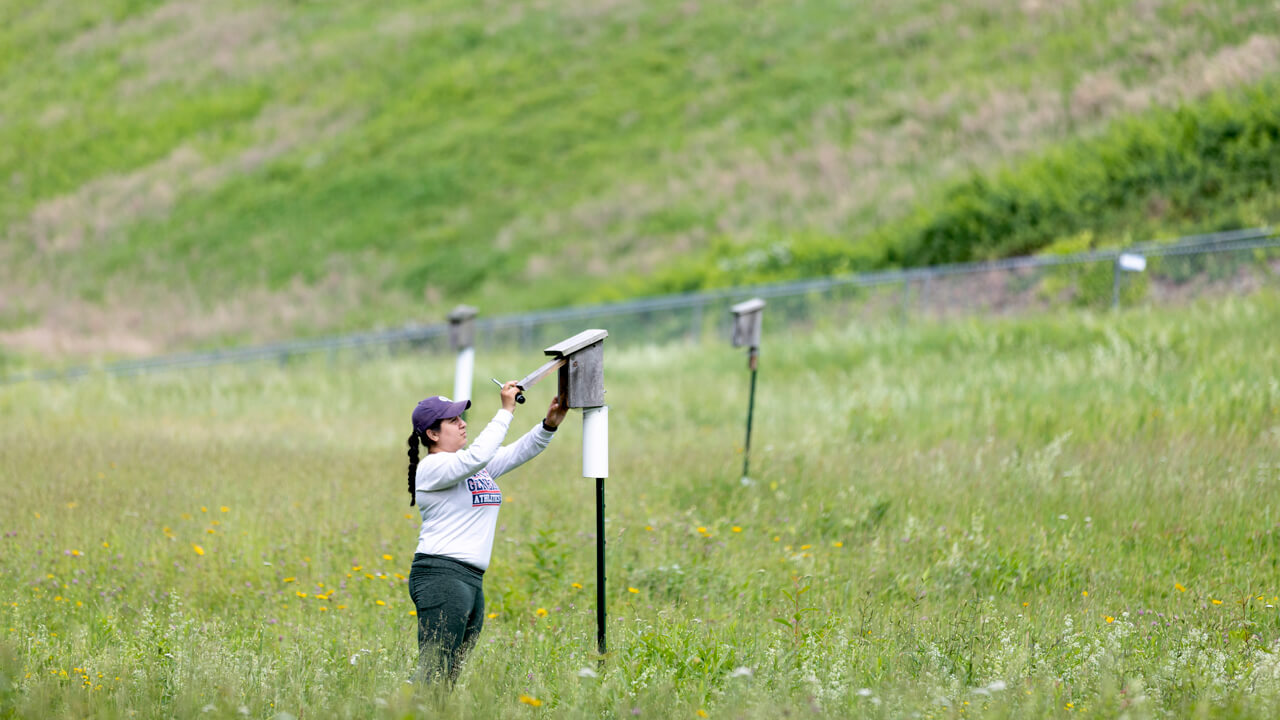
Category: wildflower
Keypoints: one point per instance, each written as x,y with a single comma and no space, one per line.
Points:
776,538
837,544
492,615
540,612
530,700
1179,587
324,609
300,594
224,508
289,579
408,516
379,602
741,671
199,550
702,529
805,547
701,713
356,568
1084,593
587,672
1215,601
106,544
386,557
633,591
204,509
735,528
211,531
649,528
576,586
413,612
1110,619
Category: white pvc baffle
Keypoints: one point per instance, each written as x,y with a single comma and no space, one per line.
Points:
1132,262
462,376
595,442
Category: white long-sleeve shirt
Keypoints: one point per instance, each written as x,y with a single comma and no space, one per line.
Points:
457,496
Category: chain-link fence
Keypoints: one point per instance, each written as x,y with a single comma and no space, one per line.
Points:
1229,263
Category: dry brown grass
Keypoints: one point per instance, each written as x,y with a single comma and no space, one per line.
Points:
842,187
135,322
100,209
190,42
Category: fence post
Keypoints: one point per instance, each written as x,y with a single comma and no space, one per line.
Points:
526,333
1115,283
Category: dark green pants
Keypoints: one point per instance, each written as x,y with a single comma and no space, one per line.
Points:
450,603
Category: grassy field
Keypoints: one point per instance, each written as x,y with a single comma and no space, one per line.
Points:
182,173
1045,517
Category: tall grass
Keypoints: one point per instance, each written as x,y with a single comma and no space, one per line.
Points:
1030,517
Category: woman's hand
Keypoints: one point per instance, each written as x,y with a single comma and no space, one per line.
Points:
509,392
555,413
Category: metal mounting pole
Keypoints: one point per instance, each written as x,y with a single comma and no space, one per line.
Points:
600,593
595,463
751,407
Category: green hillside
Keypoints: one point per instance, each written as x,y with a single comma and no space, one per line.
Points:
192,173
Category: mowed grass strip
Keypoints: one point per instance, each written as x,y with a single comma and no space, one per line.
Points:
1030,517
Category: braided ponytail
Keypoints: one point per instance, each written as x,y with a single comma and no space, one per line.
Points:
413,467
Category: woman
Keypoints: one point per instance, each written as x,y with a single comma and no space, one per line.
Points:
459,501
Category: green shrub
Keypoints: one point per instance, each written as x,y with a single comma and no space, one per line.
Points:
1169,169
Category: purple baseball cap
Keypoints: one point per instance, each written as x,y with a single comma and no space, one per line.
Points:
436,407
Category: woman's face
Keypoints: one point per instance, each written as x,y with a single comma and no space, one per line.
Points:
452,436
